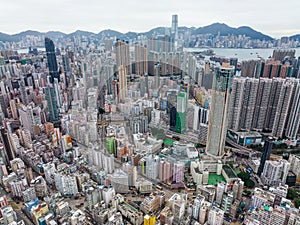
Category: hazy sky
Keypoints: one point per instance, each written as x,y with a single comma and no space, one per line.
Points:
272,17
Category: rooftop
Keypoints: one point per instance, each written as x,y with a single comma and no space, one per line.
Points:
230,173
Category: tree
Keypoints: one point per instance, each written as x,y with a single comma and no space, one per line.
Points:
297,203
176,138
244,176
293,194
199,145
101,110
231,165
247,193
249,183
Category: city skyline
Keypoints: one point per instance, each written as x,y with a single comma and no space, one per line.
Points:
136,17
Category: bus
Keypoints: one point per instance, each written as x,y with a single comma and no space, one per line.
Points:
158,187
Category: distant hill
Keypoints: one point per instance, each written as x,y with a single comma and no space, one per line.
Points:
6,37
19,36
55,34
155,31
81,33
253,34
225,30
212,29
109,33
295,37
130,35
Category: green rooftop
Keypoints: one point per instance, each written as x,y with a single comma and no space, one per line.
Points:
168,142
230,173
213,179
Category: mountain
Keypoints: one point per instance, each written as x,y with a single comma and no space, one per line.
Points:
55,34
81,33
19,36
155,31
248,31
213,29
109,33
130,35
225,30
6,37
295,37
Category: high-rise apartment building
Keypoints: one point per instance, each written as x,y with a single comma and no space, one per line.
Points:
215,216
248,103
221,187
273,102
261,197
261,105
178,172
122,83
242,103
275,172
227,201
119,180
26,117
280,54
235,105
198,202
282,110
141,59
123,55
237,189
66,184
293,122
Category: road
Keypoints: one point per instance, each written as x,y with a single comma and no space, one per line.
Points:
183,137
17,207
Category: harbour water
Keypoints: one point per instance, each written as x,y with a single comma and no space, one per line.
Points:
241,53
25,50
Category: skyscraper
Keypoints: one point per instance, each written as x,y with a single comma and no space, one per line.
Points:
122,83
282,108
235,106
293,122
273,102
174,31
123,55
265,155
173,113
6,152
52,104
141,59
261,105
51,59
217,126
242,103
248,104
181,112
157,71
